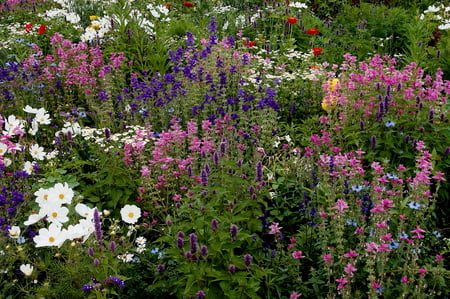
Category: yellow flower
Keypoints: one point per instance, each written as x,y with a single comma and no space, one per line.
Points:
93,18
329,102
95,27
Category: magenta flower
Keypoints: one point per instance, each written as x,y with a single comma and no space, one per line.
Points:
297,255
351,253
327,258
405,279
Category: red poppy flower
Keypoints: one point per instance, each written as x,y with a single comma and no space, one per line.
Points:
312,31
28,27
42,29
249,44
188,4
292,20
317,51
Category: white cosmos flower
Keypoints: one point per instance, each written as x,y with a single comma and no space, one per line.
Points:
55,213
30,109
42,117
28,167
26,269
53,236
84,211
43,197
13,125
37,152
3,149
33,218
83,229
14,232
130,214
61,193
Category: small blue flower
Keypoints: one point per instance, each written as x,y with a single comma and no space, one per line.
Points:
437,234
82,114
393,245
389,124
403,235
20,240
20,40
391,176
351,222
414,205
380,290
357,188
154,251
30,44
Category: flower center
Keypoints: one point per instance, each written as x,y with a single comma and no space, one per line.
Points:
55,214
131,215
46,196
51,239
61,196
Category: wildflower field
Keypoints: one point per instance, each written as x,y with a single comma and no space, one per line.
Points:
224,149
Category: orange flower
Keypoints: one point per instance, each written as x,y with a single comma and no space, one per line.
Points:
317,51
188,4
168,6
292,20
42,29
312,31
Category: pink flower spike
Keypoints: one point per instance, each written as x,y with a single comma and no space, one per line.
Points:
438,258
342,282
297,255
349,269
340,206
375,285
274,228
405,279
295,295
401,168
438,176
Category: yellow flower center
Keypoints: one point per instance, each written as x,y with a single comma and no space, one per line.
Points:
46,196
54,214
51,239
61,196
131,215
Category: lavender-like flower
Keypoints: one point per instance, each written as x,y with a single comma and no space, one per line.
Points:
373,141
98,233
180,243
112,246
214,225
259,171
248,260
204,250
233,232
193,243
201,295
231,268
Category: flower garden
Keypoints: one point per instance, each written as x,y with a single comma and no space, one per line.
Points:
224,149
